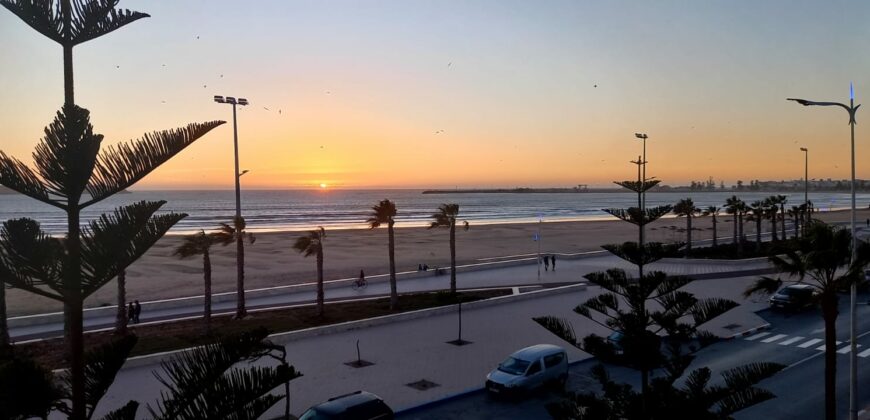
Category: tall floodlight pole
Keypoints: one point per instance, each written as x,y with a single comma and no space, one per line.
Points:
642,137
853,359
240,244
806,185
538,240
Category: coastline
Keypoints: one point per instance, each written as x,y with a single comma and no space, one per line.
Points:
271,261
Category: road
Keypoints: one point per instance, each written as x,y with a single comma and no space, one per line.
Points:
794,340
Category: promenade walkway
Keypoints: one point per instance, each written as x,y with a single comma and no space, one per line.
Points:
509,273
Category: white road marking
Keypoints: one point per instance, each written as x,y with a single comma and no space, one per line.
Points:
757,336
810,343
864,353
774,338
846,349
822,347
790,340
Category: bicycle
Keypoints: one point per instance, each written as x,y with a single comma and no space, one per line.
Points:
359,284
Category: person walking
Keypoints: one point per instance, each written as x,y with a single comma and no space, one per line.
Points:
546,262
137,311
553,261
131,313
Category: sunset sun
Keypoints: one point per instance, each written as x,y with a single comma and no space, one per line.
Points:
323,185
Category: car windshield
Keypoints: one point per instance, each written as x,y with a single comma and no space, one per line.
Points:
513,366
312,414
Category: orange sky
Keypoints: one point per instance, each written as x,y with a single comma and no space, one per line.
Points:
363,87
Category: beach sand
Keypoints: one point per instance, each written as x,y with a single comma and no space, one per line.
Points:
271,261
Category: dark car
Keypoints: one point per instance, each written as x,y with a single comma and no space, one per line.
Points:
794,297
360,405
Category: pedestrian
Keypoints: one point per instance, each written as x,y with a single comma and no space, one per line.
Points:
425,267
131,311
137,310
419,267
546,263
553,261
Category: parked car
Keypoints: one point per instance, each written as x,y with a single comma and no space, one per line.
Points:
615,340
359,405
528,369
793,297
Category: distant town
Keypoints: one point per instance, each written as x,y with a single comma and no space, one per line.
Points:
827,185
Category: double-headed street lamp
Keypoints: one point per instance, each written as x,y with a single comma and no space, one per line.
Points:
240,245
853,359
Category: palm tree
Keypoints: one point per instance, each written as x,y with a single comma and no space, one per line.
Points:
713,211
200,244
686,207
795,213
384,213
823,253
757,213
312,244
446,217
72,173
4,325
771,211
226,235
732,206
782,200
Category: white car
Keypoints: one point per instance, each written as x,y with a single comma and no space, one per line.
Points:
529,368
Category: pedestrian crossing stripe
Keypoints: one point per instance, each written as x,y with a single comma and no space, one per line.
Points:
803,342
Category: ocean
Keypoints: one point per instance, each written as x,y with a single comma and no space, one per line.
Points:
294,210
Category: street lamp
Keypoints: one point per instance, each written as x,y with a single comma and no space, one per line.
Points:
240,245
642,137
806,185
853,359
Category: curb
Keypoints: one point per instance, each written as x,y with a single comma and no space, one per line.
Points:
749,331
473,390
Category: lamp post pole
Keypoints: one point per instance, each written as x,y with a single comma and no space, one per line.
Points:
806,185
642,137
241,312
853,346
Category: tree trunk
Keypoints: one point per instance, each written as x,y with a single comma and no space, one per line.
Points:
206,299
121,313
830,312
758,234
782,226
715,232
735,228
773,237
240,275
688,235
320,281
740,234
453,257
73,308
68,85
797,225
4,326
394,294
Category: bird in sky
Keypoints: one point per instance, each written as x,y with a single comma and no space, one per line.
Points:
594,85
267,109
197,37
449,64
279,111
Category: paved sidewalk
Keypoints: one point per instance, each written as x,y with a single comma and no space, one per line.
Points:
413,350
568,271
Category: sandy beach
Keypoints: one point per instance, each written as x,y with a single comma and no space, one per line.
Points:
271,261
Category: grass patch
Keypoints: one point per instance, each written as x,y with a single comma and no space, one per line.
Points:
729,251
182,334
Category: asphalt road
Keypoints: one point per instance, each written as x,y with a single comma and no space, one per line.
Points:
793,340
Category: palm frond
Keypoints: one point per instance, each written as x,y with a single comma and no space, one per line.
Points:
27,390
743,399
102,364
42,15
197,381
120,166
763,286
32,258
127,412
195,244
66,155
707,309
740,383
95,18
114,241
15,175
445,216
559,327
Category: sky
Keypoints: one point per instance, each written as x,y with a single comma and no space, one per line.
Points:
442,94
